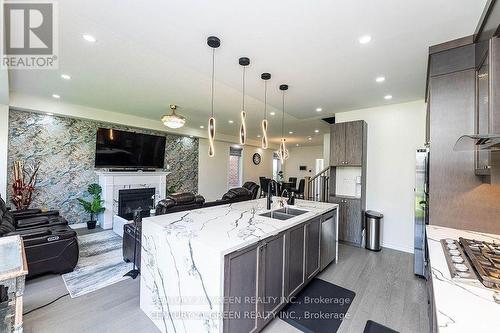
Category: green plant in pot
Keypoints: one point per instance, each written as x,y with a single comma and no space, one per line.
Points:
93,207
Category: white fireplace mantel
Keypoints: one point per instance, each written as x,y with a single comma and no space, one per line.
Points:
111,182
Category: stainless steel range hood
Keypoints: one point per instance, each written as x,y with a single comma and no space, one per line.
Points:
473,142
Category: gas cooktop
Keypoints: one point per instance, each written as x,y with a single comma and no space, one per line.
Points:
471,261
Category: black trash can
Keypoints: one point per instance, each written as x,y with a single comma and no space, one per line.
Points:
373,221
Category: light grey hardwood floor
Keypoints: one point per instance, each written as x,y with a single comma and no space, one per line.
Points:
386,292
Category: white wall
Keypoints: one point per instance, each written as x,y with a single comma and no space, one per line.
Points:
394,133
302,156
213,171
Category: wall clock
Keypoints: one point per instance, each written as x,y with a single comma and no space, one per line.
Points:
256,158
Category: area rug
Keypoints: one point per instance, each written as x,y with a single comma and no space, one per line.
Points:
100,264
320,307
373,327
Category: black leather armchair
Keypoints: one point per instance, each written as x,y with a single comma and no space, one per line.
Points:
179,202
171,204
252,187
51,246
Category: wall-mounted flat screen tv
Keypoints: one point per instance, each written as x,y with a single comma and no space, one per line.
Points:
128,150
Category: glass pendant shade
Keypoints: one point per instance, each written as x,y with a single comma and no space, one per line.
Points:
264,134
213,42
211,137
243,61
265,144
173,120
243,129
283,153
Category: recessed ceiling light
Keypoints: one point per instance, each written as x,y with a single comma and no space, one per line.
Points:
89,38
49,113
297,144
230,121
380,79
316,131
190,136
272,113
56,96
258,135
201,126
309,138
365,39
290,132
319,109
65,77
388,97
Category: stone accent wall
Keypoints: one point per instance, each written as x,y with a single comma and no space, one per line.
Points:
66,149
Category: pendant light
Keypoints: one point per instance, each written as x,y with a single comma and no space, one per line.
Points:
283,153
173,120
243,61
265,77
214,43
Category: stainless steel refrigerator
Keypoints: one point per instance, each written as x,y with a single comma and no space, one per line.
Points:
421,210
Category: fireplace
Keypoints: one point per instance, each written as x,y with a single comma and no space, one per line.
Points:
131,199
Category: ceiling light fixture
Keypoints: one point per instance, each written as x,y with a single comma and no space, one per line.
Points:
214,43
243,61
387,97
89,38
319,109
365,39
272,113
380,79
230,121
265,144
297,144
283,153
173,120
316,131
56,96
290,132
49,113
65,77
309,138
202,127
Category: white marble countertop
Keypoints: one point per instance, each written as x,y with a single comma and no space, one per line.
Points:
227,228
460,307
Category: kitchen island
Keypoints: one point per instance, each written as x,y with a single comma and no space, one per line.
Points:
227,268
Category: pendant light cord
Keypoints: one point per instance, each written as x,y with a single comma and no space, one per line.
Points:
213,75
243,84
283,117
265,100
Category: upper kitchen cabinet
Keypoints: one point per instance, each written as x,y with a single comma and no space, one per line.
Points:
347,142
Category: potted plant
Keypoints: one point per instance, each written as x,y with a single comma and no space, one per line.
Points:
93,207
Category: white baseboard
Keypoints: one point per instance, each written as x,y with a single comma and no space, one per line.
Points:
78,225
398,247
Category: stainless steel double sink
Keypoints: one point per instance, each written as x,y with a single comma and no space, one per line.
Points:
284,213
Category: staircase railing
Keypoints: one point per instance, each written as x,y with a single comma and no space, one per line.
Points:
317,187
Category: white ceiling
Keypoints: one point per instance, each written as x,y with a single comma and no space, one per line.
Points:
150,54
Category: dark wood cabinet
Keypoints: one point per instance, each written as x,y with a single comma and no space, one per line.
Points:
271,272
241,281
346,143
354,143
337,144
313,236
295,260
350,219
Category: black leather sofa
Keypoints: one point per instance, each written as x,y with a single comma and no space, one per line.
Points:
51,246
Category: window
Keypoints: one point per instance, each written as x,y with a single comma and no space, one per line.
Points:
235,173
276,166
